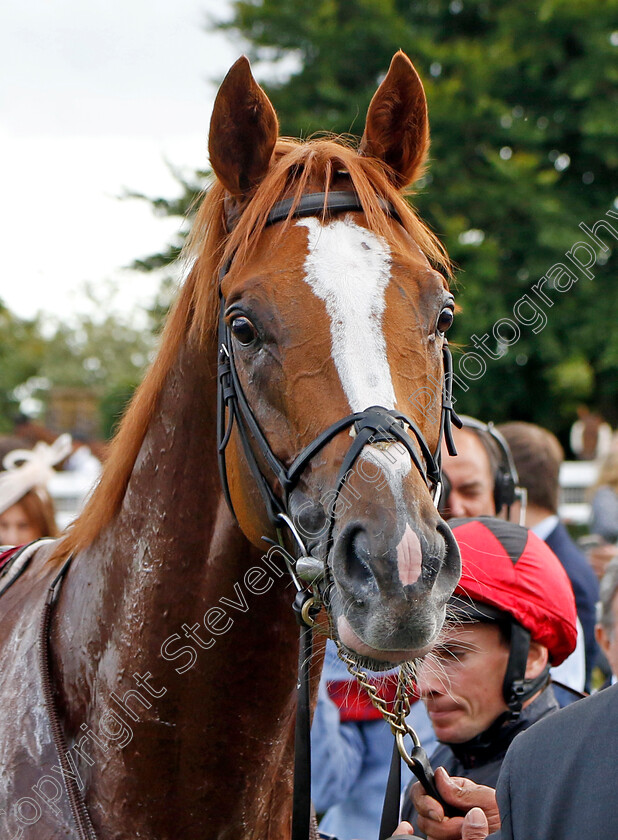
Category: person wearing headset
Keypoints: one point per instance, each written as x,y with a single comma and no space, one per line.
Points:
482,480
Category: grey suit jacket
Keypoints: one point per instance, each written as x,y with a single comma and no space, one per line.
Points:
559,780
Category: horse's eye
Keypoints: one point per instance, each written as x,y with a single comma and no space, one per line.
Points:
445,319
243,330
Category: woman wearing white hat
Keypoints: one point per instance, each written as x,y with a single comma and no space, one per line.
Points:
26,508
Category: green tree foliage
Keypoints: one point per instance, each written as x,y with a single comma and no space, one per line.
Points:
191,186
523,102
105,354
183,206
21,354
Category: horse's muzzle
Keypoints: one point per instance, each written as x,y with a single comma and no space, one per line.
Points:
388,597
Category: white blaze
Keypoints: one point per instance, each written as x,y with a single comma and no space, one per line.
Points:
349,268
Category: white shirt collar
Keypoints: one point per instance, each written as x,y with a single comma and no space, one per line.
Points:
544,528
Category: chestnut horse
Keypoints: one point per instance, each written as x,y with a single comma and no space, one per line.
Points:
172,646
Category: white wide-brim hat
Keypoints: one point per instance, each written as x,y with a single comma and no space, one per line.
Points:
29,469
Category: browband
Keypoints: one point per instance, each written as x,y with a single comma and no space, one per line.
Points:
313,204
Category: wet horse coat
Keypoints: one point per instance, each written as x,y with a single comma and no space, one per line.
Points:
173,641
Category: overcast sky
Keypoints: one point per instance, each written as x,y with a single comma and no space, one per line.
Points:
95,96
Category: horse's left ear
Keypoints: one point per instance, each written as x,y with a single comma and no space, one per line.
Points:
397,128
243,131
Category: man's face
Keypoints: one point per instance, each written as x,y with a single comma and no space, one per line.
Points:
471,478
460,681
609,641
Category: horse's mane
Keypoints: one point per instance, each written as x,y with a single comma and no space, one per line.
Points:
297,167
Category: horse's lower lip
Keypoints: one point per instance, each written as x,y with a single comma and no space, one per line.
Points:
348,637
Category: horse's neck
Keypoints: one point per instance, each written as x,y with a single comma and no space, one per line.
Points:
161,606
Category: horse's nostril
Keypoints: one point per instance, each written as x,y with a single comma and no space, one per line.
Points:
447,535
357,558
449,564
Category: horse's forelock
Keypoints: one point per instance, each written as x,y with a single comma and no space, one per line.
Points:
297,166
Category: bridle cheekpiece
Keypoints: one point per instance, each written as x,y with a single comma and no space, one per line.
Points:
375,424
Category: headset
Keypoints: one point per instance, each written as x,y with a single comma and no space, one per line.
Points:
507,489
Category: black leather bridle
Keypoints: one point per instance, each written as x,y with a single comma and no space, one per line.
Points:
375,424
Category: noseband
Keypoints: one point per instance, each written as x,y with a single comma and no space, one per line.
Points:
375,424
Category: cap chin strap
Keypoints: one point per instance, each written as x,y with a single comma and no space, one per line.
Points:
516,689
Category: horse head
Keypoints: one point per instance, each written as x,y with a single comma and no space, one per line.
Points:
333,314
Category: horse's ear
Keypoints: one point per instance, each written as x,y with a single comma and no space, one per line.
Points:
243,131
397,128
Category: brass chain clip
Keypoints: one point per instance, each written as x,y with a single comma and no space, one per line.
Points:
396,714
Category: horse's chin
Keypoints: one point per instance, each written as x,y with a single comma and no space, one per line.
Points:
373,658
